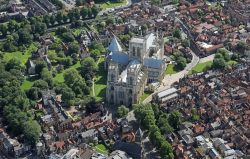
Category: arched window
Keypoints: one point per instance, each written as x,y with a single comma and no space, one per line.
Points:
133,51
130,91
112,77
138,52
131,80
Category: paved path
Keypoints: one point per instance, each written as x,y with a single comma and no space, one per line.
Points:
206,59
170,79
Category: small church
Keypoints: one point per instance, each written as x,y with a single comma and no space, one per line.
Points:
132,70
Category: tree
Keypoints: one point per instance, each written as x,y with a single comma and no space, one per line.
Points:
241,47
4,29
224,53
71,76
24,36
164,125
175,1
13,26
95,54
84,12
181,63
155,2
68,96
110,20
177,33
41,84
90,13
68,37
39,66
219,63
195,116
88,68
174,119
65,18
79,2
39,28
31,132
60,30
66,61
97,46
122,111
34,93
14,64
95,10
52,19
46,19
74,48
46,75
185,43
71,16
59,17
166,150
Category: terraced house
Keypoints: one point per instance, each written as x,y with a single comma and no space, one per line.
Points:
131,72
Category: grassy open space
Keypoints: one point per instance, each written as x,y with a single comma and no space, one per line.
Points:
27,83
200,67
59,77
145,95
100,81
23,56
170,70
109,4
101,149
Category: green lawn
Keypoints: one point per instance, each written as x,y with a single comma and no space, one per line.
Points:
200,67
170,70
144,96
23,56
101,149
59,77
108,4
100,81
27,83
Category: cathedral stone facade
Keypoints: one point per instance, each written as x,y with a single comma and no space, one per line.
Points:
129,72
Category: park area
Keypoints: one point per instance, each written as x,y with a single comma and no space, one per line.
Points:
170,69
110,4
100,81
200,67
101,149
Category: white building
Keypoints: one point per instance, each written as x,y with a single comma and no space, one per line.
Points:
130,71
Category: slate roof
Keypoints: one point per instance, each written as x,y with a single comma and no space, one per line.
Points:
132,149
114,45
119,57
152,63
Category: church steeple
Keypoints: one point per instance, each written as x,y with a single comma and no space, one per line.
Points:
114,45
